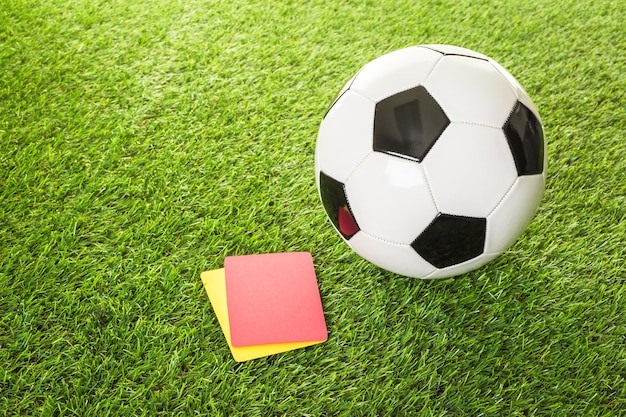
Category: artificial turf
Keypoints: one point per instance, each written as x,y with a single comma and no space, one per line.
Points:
144,141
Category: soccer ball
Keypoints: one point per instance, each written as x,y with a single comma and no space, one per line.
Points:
431,162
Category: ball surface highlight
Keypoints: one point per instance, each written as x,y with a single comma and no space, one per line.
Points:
431,161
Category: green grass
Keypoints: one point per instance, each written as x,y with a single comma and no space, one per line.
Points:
144,141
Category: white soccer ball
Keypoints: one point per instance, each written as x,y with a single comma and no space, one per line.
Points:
431,162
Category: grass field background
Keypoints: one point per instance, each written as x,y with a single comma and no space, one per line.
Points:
144,141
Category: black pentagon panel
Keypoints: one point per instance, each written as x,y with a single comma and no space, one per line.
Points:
524,133
335,203
408,123
450,240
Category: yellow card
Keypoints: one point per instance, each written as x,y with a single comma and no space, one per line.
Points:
215,286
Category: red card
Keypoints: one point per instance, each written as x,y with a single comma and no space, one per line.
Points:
273,298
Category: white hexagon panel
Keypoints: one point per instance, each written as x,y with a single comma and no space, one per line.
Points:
470,168
395,72
463,267
344,137
401,259
471,90
509,219
522,95
390,198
